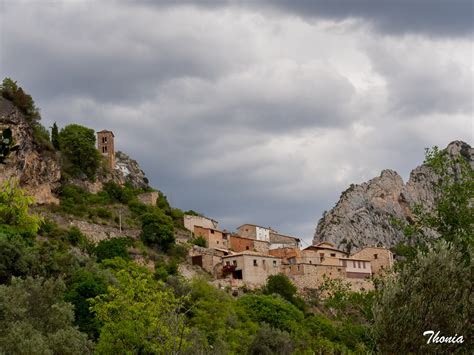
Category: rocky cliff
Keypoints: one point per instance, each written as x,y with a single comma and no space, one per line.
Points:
38,170
364,213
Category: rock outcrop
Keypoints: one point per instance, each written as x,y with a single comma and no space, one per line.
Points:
128,170
38,170
365,213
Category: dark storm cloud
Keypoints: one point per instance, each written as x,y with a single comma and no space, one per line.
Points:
430,17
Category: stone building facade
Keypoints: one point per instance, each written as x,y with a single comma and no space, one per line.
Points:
190,221
239,244
105,145
214,237
254,268
379,258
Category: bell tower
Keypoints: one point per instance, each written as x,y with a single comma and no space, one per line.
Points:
105,144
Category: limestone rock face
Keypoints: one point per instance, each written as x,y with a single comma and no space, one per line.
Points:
128,170
38,172
364,213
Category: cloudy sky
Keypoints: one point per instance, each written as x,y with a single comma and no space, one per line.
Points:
252,111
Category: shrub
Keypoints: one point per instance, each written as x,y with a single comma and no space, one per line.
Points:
200,241
111,248
158,230
275,311
270,341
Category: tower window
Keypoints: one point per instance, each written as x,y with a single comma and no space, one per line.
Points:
104,149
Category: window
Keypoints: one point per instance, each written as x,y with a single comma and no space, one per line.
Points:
255,262
104,149
212,231
227,262
375,256
263,262
247,248
234,262
224,236
104,139
333,255
344,263
217,241
298,268
274,263
354,264
363,264
291,261
358,264
310,262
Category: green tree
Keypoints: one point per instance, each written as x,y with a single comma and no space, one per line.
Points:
139,315
55,136
14,208
12,260
86,284
35,319
434,292
78,147
433,289
158,230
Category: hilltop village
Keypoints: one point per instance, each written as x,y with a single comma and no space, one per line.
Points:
249,256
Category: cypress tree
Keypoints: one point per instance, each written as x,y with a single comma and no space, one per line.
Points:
55,136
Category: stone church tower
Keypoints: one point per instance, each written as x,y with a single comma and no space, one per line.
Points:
105,144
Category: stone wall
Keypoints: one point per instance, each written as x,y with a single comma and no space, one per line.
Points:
149,198
97,232
239,244
210,258
191,221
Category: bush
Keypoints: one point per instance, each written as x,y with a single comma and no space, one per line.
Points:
200,241
158,230
275,311
270,341
111,248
